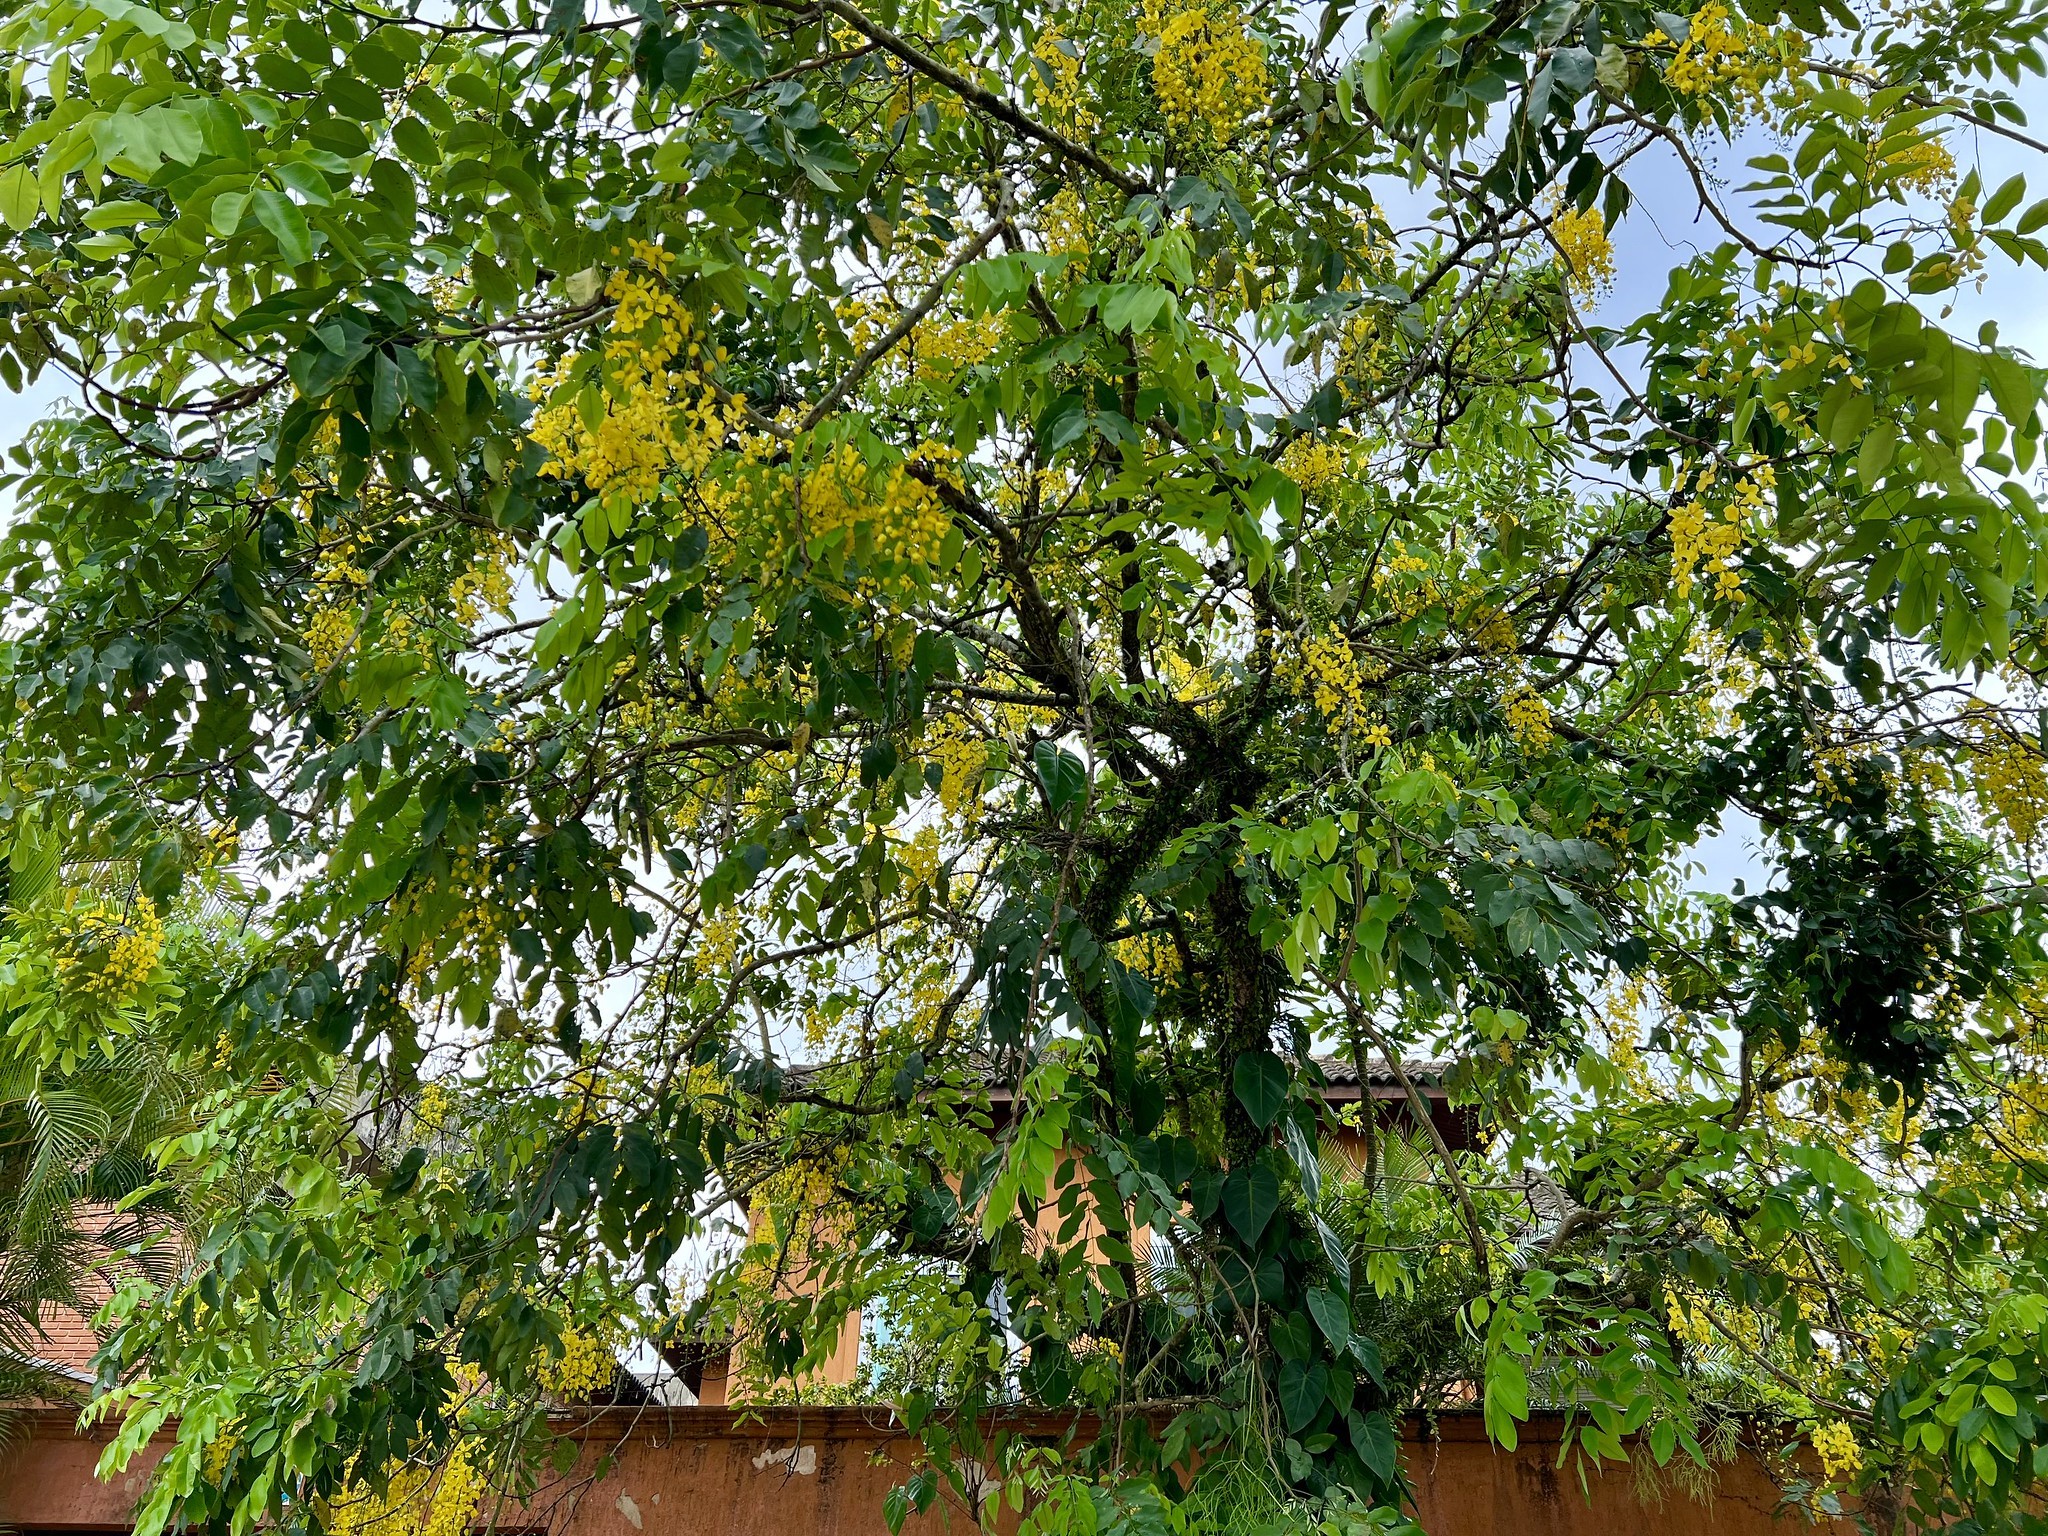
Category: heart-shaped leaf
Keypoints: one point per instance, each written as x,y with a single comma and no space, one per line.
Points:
1333,1315
1250,1197
1367,1353
1260,1078
1303,1386
1064,775
1372,1436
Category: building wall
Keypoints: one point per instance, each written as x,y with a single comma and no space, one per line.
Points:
824,1472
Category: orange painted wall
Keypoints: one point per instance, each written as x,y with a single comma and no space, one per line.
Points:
714,1472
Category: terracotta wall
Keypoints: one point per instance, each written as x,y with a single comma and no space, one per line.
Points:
715,1472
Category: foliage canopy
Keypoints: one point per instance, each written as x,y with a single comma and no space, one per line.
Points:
737,578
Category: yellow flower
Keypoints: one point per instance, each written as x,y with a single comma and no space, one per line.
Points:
107,954
586,1366
963,764
647,408
1528,716
1704,541
2009,777
1925,166
1588,254
434,1106
1209,74
1316,464
329,634
1328,673
1723,54
1058,79
1835,1444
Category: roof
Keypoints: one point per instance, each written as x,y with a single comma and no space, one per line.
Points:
1340,1073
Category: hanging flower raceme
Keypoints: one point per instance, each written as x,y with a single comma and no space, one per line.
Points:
647,407
1581,236
106,952
1208,72
1708,528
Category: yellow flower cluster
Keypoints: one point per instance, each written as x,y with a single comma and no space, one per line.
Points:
1835,770
108,955
1491,630
1363,346
1405,598
921,858
1605,829
1059,82
1326,671
456,1499
1316,464
487,584
2010,778
1687,1324
656,410
942,346
407,1507
1528,716
900,523
585,1369
1925,166
1581,238
1835,1444
1722,53
1208,72
1151,955
1064,227
339,584
329,634
1704,543
589,1098
418,917
964,761
220,845
214,1463
435,1105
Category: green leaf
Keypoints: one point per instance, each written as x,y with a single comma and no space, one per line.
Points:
1260,1081
162,870
32,866
416,141
2004,200
1333,1315
1063,776
20,196
1663,1440
280,215
1250,1197
1373,1438
2013,387
383,393
1303,1388
1850,420
1064,421
225,216
1134,306
1880,443
1334,1254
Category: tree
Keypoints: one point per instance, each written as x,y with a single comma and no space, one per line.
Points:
1095,553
